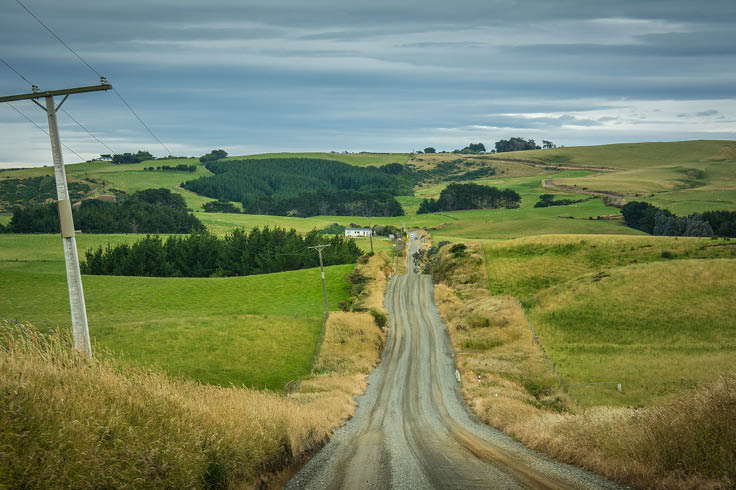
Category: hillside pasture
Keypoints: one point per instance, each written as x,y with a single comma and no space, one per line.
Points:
103,177
258,331
631,156
651,313
684,177
655,328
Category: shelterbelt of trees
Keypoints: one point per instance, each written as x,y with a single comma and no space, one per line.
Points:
238,253
656,221
303,187
455,197
147,211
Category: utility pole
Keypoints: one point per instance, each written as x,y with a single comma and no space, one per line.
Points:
71,258
371,234
319,248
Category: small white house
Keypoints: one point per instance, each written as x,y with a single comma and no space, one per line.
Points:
357,232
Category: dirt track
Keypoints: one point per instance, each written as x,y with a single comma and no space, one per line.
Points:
413,430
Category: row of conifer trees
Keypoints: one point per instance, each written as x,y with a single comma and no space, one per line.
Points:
203,254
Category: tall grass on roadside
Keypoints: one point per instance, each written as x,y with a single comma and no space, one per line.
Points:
682,442
67,422
687,441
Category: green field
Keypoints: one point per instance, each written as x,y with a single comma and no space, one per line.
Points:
258,331
629,156
652,313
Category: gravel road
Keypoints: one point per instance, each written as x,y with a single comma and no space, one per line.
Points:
413,430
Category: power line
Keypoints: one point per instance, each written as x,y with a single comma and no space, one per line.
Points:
63,110
57,37
168,152
16,71
88,131
79,57
44,131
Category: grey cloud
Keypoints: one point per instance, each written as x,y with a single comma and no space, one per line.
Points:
373,74
504,121
706,113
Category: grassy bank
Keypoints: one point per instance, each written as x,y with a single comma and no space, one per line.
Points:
598,324
649,313
144,429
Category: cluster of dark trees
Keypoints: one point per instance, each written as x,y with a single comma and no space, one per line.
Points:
511,144
138,157
219,206
516,144
36,190
305,187
328,203
470,196
656,221
147,211
239,253
168,168
213,156
473,148
547,200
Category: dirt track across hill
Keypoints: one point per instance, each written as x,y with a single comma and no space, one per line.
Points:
413,430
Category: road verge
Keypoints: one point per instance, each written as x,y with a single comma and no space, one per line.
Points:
686,441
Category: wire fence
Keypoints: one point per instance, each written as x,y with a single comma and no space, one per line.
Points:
549,360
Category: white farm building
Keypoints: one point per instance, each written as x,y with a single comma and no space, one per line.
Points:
357,232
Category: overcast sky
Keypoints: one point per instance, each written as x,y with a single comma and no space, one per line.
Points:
289,75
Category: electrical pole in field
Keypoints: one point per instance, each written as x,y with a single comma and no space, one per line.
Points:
71,259
371,234
319,248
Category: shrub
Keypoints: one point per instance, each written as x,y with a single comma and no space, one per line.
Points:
378,317
458,250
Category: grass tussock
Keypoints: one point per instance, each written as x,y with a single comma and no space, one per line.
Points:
66,422
681,442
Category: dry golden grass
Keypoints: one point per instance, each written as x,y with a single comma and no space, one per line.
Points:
684,442
378,268
72,423
66,422
352,344
504,167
